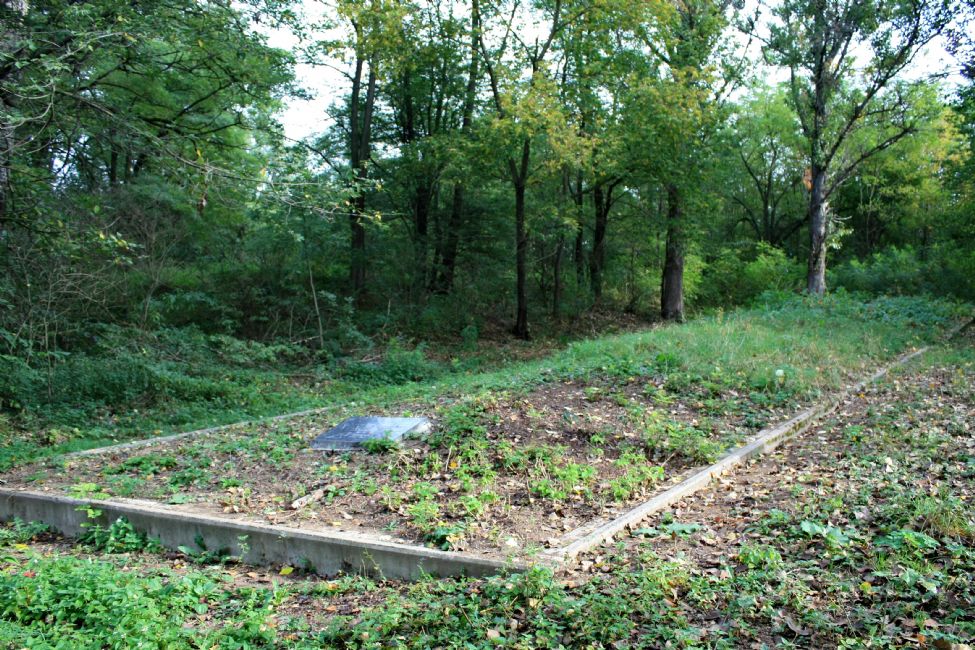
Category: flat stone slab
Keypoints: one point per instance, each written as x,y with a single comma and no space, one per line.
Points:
351,433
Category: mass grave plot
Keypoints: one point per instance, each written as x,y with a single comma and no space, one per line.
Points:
498,475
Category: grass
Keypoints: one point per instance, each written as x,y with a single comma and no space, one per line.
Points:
593,427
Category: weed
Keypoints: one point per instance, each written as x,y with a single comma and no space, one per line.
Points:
379,445
223,555
559,482
669,439
637,474
88,491
21,532
757,556
145,464
119,537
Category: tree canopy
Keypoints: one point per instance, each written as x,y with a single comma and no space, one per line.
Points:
483,164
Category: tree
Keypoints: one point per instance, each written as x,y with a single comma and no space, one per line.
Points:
680,117
370,37
525,107
834,97
115,109
767,148
599,62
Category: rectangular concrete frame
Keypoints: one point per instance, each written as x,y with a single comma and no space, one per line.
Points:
334,552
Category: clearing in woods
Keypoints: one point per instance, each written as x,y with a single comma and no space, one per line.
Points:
860,533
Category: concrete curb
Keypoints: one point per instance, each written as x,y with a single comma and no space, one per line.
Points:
259,544
151,442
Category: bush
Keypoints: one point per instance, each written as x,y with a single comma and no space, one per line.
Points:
945,271
19,383
400,366
737,277
894,271
73,603
119,537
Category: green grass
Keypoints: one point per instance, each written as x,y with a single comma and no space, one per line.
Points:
786,345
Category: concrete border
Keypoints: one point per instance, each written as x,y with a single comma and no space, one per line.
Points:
328,553
151,442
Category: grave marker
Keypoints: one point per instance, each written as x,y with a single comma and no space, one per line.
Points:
351,433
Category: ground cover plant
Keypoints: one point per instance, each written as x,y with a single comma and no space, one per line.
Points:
518,459
860,534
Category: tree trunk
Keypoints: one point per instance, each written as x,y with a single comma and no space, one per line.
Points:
421,213
6,157
360,134
113,168
578,256
579,253
8,41
557,279
672,282
818,223
521,254
598,258
443,281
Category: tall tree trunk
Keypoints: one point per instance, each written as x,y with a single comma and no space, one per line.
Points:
818,222
443,282
598,258
672,282
113,168
578,256
579,252
8,42
521,261
6,158
421,213
557,279
360,135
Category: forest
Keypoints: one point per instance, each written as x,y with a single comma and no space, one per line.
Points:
481,166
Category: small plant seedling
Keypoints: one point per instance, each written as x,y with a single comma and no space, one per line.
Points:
673,529
88,491
379,445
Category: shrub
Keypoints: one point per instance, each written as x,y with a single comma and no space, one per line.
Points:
737,277
944,271
19,383
399,366
119,537
892,271
80,603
